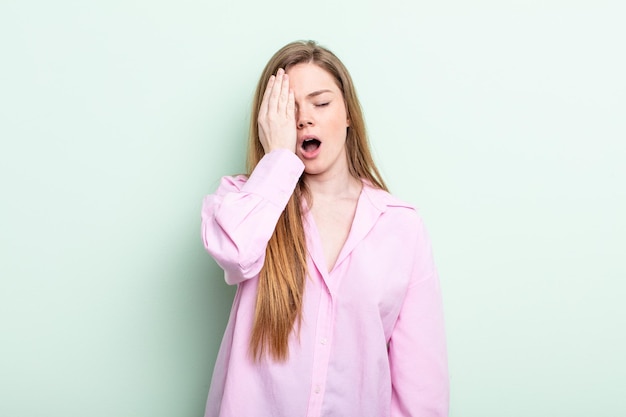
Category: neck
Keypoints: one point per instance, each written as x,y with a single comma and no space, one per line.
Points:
338,185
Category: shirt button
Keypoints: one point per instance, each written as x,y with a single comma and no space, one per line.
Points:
317,389
323,341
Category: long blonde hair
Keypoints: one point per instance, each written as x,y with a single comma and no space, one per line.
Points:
281,281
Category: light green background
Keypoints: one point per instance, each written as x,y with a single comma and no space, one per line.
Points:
504,121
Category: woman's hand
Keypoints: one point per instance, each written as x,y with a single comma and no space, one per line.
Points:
277,120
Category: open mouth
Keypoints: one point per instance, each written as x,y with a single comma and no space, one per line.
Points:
310,145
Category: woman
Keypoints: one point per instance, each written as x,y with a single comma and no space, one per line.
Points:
338,310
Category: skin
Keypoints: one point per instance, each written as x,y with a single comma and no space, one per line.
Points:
277,114
307,101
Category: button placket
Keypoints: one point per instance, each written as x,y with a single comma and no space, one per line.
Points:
322,352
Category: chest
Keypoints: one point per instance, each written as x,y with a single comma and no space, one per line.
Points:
333,222
370,280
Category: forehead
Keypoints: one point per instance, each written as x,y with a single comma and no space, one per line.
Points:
309,77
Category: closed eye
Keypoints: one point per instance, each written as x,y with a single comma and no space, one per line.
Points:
322,104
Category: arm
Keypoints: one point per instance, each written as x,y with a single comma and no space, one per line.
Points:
417,348
239,219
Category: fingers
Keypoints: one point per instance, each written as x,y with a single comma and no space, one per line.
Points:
279,94
276,94
284,95
291,106
276,119
266,96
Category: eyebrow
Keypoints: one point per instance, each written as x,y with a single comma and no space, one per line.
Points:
318,92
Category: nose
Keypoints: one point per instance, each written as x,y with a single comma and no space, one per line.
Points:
303,119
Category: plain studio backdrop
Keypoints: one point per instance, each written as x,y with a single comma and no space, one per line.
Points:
503,121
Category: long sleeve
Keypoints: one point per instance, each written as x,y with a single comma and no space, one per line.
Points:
417,348
371,342
239,218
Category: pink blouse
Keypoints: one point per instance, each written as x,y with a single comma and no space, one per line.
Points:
372,340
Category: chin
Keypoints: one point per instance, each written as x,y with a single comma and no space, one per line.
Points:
312,169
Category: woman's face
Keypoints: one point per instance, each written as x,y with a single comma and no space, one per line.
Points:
321,120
